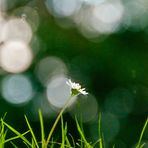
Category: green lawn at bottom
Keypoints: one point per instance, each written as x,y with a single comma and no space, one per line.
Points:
66,141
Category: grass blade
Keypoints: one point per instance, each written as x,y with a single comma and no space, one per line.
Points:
72,140
17,133
32,133
16,137
63,133
42,129
14,145
2,140
33,143
142,145
141,135
82,135
2,135
52,144
26,144
99,132
96,143
67,142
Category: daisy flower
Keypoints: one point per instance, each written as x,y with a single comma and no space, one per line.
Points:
76,88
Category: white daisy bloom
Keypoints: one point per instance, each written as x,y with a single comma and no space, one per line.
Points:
76,88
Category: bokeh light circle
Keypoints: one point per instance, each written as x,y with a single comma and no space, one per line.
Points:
120,102
136,13
17,89
63,8
29,14
41,102
85,109
107,17
49,67
110,126
58,92
15,56
17,29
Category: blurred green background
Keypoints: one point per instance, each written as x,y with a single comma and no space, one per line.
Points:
100,44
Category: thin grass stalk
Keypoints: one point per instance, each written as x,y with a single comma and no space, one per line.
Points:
42,129
142,132
32,133
56,121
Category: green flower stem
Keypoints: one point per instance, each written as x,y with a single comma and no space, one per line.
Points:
56,121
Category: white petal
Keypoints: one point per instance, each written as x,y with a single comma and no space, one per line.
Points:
82,91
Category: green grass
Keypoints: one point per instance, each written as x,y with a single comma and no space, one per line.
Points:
140,144
67,141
